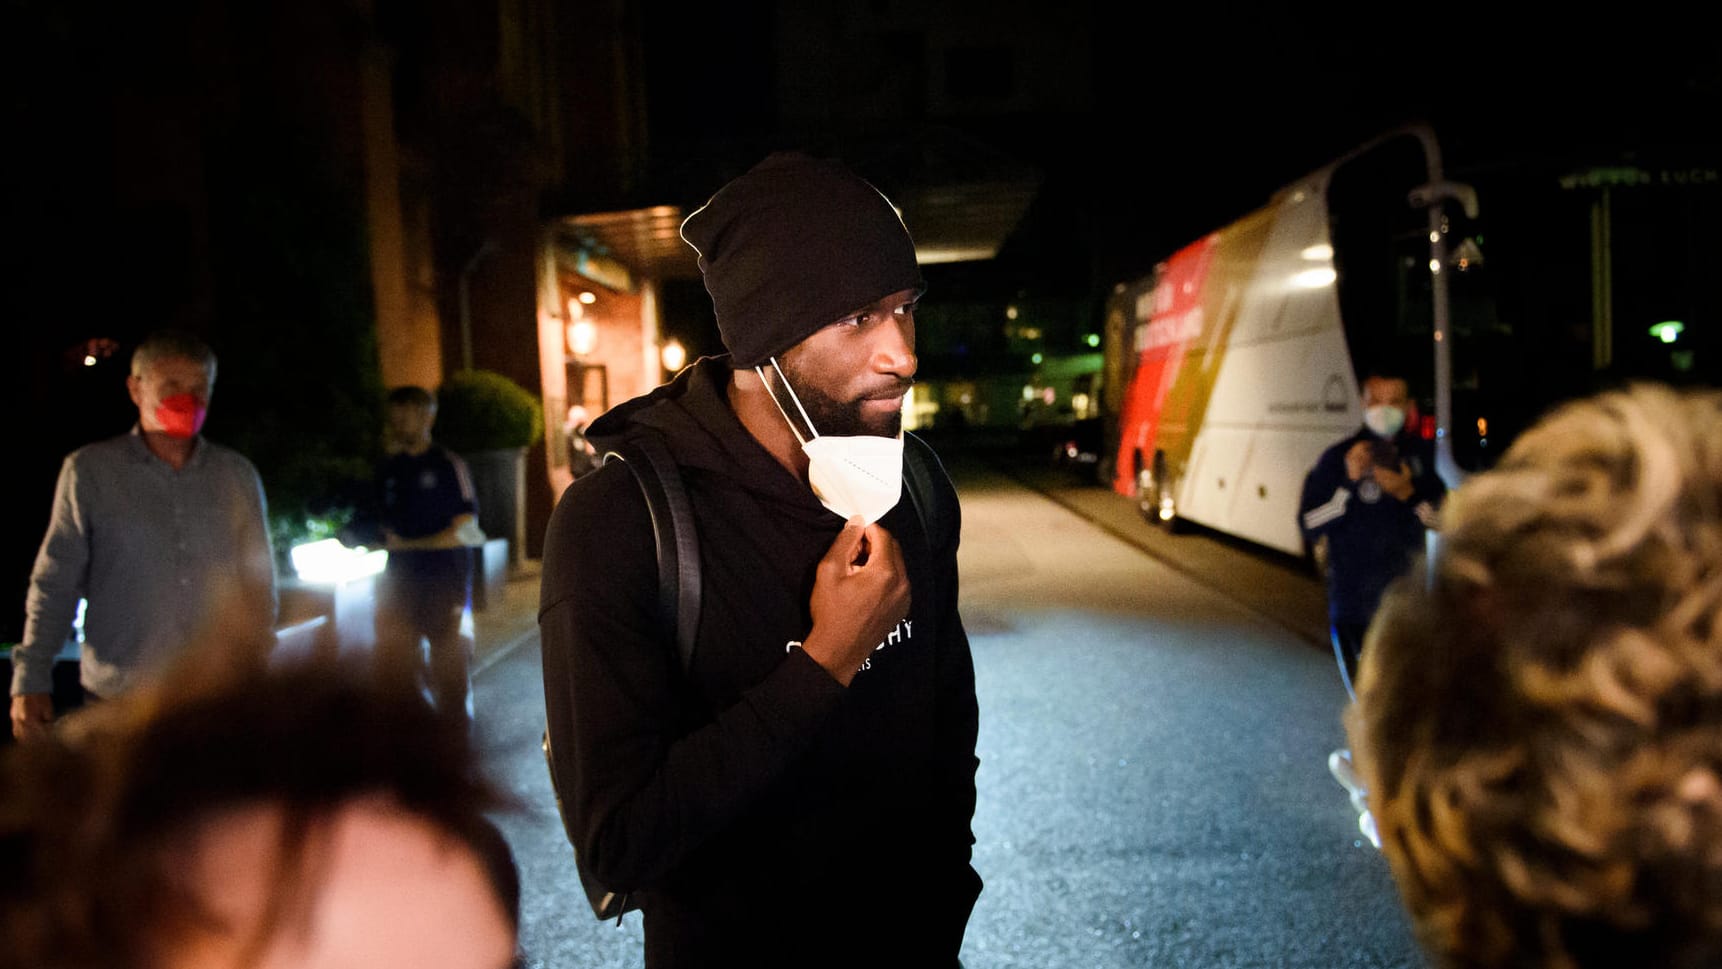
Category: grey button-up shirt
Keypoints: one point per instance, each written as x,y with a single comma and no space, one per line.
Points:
156,553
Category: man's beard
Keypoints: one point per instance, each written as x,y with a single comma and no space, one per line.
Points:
834,417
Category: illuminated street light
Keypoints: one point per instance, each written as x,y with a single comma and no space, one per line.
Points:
1668,330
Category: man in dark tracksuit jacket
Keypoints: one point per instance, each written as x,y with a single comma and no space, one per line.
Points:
426,504
803,795
1372,514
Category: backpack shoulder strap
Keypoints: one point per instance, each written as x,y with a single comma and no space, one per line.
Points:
919,466
678,553
677,540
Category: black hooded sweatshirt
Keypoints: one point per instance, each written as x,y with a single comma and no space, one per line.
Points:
764,813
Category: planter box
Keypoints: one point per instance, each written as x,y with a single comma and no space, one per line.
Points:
499,477
324,620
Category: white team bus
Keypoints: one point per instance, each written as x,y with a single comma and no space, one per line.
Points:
1231,366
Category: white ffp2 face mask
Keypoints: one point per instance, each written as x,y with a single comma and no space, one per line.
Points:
860,475
851,475
1384,419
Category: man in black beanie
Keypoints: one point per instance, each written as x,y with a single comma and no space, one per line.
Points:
803,790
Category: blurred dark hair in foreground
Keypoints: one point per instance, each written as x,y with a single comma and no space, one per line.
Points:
101,826
1539,713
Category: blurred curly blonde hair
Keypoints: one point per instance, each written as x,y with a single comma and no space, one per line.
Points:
1539,713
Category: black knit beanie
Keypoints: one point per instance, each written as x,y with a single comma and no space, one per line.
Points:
792,246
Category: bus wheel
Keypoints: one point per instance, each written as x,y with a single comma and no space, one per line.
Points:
1147,495
1161,506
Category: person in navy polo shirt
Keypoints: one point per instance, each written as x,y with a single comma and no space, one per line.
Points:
428,513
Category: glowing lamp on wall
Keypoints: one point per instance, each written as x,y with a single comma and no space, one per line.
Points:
674,355
582,337
582,333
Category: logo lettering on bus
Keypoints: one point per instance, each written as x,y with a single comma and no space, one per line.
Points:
1168,330
1163,299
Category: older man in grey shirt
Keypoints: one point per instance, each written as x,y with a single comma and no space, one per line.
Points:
161,532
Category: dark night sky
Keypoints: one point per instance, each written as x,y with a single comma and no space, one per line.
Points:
1241,109
1199,112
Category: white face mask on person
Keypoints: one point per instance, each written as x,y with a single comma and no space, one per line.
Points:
1384,420
860,475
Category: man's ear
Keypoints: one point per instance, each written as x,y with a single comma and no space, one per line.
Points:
134,387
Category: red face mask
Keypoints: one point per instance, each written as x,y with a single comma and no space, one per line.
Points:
181,415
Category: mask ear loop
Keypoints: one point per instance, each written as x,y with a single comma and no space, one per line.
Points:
786,419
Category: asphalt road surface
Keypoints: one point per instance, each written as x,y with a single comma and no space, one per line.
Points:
1153,742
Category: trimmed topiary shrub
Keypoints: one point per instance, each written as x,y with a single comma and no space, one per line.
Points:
481,410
